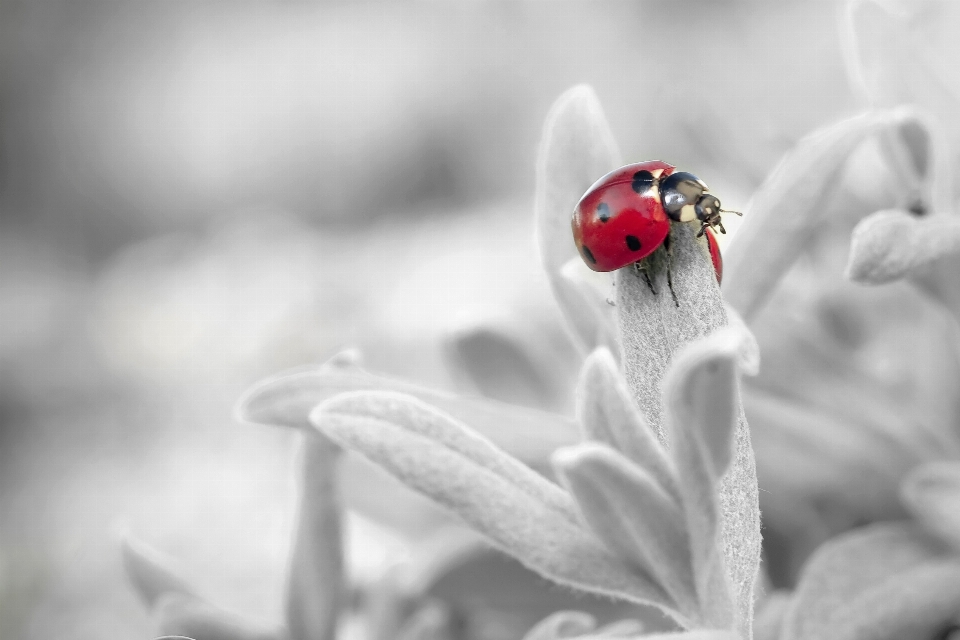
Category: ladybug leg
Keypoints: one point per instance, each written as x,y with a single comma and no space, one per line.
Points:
669,248
641,270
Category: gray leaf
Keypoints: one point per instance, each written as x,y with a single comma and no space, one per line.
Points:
316,590
576,149
180,615
633,515
787,211
607,414
481,484
932,493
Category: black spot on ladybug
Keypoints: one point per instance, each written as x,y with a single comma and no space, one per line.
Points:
603,212
633,243
588,255
642,180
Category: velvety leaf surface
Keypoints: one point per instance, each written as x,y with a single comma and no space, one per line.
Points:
885,581
181,615
652,330
633,515
577,148
607,414
520,512
316,588
932,494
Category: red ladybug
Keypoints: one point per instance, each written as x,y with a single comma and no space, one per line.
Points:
625,216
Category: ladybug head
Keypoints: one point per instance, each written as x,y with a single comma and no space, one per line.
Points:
685,199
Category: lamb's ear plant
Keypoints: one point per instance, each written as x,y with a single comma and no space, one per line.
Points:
659,505
886,581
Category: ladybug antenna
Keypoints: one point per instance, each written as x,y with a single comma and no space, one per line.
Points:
730,211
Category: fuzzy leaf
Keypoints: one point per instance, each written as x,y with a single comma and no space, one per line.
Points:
703,397
883,582
287,399
316,590
150,571
932,493
576,149
519,511
607,414
787,211
181,615
891,244
634,516
561,625
652,329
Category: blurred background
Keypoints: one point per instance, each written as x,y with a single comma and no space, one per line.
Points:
197,194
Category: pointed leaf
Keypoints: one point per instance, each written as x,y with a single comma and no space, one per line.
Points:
287,399
703,399
514,509
181,615
316,589
151,573
932,493
577,148
787,211
561,625
421,419
634,516
882,582
652,329
607,414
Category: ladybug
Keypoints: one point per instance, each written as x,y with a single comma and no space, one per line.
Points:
626,215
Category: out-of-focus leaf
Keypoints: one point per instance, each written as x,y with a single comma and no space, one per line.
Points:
883,582
882,35
787,210
634,516
562,625
652,329
771,611
588,295
518,510
577,148
316,589
702,634
432,620
181,615
620,629
891,244
287,399
932,494
607,414
151,573
514,360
